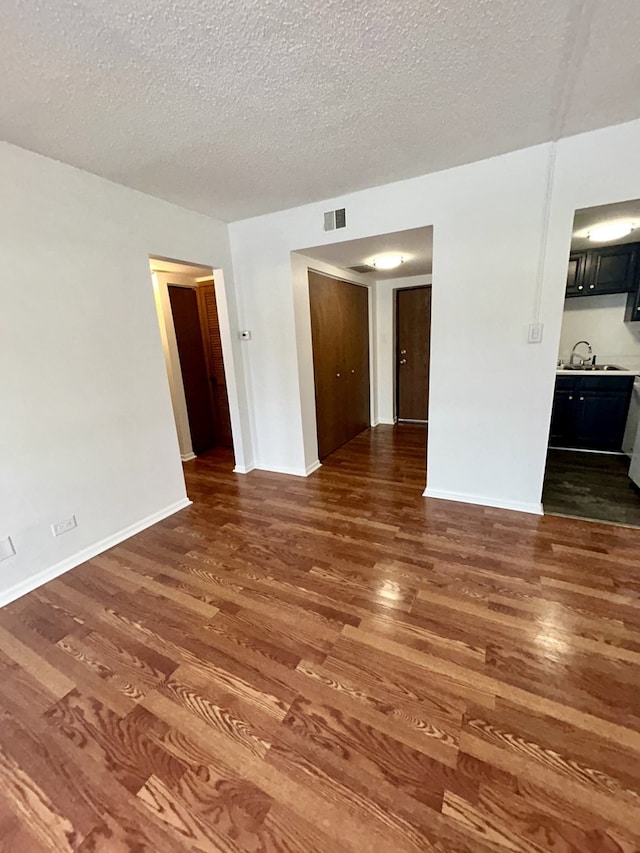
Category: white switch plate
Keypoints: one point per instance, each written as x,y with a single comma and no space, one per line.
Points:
6,548
535,333
64,526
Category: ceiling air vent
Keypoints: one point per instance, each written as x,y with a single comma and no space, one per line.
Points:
335,219
362,268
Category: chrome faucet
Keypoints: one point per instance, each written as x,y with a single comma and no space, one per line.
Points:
588,359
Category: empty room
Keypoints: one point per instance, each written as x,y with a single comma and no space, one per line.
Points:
319,503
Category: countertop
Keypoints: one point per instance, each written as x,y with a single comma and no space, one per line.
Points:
587,372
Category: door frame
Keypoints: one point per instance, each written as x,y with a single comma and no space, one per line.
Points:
234,381
396,362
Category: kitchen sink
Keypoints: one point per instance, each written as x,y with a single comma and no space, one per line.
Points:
590,367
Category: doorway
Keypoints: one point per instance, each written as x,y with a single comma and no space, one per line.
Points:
413,345
190,331
593,459
381,264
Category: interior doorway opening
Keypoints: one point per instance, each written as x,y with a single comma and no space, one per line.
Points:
352,322
187,311
593,460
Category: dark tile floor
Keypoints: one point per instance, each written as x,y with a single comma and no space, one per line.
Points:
590,485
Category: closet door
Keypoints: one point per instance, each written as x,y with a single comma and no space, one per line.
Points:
340,335
356,362
213,348
193,366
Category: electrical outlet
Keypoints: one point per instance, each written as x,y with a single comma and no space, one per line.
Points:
64,526
535,333
6,549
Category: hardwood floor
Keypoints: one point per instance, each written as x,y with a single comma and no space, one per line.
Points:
325,664
591,485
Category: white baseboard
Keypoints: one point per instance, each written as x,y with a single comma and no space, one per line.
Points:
29,584
243,469
386,421
313,467
187,457
481,500
281,469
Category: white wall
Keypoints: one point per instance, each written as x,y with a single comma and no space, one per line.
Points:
385,341
86,425
491,392
600,320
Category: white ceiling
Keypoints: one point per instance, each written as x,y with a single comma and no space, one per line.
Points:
590,216
415,245
240,107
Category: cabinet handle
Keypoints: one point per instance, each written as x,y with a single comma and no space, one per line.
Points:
353,371
580,287
338,375
582,398
570,396
403,352
591,286
403,361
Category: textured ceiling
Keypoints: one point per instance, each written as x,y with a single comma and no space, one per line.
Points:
240,107
415,245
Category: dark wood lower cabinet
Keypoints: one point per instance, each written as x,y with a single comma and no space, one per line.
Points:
590,412
340,335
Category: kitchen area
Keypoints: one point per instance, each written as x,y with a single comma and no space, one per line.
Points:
593,462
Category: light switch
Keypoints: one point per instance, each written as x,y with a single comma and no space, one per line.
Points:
535,333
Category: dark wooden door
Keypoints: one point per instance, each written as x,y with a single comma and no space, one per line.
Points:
210,326
340,335
413,334
193,366
356,359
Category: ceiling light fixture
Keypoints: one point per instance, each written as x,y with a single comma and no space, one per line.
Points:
387,262
609,231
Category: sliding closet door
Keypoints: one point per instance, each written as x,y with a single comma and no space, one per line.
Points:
340,334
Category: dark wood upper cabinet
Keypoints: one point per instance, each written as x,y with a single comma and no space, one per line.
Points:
610,269
575,274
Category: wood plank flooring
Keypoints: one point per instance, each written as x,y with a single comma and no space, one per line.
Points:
591,485
329,664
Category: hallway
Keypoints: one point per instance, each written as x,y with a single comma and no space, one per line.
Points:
329,663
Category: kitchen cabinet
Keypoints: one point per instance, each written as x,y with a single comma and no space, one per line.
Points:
590,412
575,274
609,269
632,312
